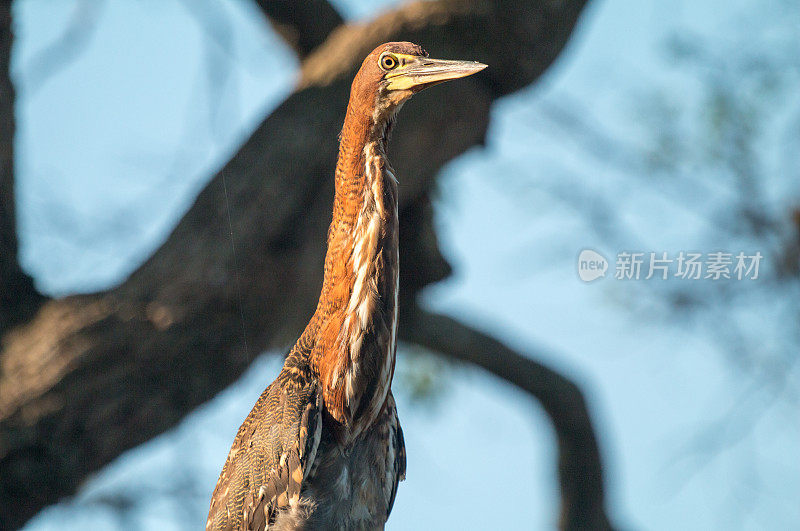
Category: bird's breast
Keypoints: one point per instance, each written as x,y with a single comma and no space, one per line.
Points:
352,487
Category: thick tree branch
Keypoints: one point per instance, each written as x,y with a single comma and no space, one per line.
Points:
580,469
90,376
18,297
303,24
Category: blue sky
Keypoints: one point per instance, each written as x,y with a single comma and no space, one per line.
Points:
113,147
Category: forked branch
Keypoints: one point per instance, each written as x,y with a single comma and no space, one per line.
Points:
580,469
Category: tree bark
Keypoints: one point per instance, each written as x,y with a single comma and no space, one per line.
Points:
86,377
18,297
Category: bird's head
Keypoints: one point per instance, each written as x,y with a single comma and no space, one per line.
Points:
395,71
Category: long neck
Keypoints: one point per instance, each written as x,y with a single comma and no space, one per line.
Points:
356,317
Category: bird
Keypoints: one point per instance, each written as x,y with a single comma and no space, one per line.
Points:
322,448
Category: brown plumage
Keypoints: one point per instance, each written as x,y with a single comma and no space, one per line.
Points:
322,448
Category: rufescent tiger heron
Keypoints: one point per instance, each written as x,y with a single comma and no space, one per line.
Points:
322,448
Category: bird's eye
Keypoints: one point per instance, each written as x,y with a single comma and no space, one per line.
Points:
388,62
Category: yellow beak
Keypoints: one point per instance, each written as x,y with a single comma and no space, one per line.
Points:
422,72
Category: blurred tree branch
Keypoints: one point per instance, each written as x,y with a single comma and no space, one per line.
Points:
87,377
579,463
303,24
18,297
